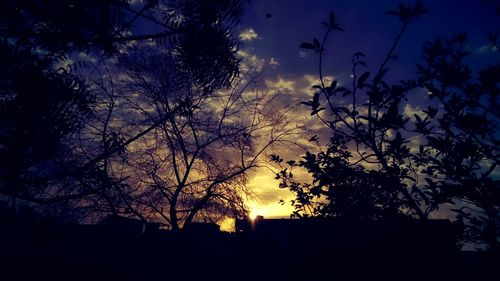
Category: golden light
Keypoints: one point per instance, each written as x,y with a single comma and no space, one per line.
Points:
253,215
227,224
267,194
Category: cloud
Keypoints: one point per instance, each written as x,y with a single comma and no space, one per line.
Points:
302,54
309,80
282,85
250,61
274,63
248,34
409,110
486,49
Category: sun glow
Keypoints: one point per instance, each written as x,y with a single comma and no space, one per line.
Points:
268,209
267,196
253,215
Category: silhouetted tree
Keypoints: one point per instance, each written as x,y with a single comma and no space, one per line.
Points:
366,126
57,27
33,122
44,117
377,164
461,153
193,165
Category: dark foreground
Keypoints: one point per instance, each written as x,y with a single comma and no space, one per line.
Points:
271,250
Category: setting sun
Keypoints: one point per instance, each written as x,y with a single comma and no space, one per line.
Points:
267,196
253,215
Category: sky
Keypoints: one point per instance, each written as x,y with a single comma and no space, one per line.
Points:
271,32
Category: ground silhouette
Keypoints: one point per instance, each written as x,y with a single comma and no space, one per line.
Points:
35,248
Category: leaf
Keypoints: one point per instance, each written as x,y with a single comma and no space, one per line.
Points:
346,93
275,158
330,90
315,101
410,178
362,79
380,75
420,9
422,195
431,111
333,85
332,19
316,111
307,45
344,109
316,44
429,181
314,138
419,120
340,89
358,55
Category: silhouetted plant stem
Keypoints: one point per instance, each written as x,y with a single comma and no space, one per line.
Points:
320,63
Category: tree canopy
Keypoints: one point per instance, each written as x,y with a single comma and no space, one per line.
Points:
51,100
379,163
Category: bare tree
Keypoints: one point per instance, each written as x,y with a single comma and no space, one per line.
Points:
82,172
194,165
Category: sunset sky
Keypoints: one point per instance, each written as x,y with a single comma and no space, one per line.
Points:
271,32
263,139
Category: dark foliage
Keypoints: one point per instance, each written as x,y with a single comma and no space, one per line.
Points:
43,105
38,108
462,150
57,27
375,166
